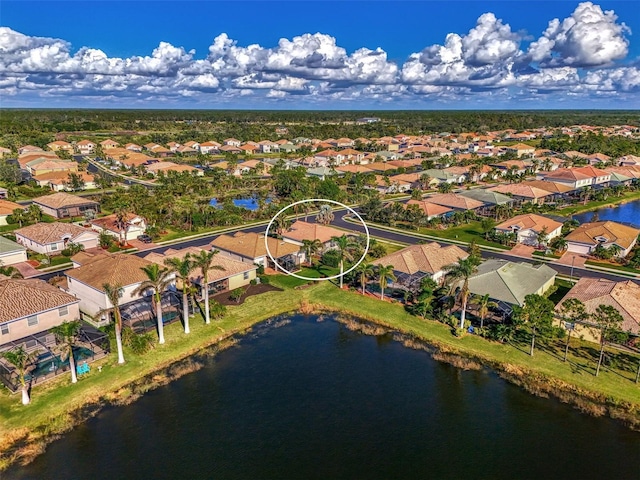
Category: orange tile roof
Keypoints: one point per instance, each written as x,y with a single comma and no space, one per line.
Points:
113,269
613,232
21,298
530,221
311,231
7,207
61,200
521,190
45,233
454,200
429,209
428,258
251,245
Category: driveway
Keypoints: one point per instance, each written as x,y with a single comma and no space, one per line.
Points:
524,251
572,259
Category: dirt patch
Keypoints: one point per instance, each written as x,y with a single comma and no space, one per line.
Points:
251,290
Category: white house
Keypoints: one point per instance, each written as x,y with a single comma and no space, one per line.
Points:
52,238
11,252
528,227
588,236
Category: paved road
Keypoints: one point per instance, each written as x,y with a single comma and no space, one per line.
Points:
380,233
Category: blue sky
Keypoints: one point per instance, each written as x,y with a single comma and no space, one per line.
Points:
362,55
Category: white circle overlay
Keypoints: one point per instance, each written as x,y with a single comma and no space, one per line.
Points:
317,200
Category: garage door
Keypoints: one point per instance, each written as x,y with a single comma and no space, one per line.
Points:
578,248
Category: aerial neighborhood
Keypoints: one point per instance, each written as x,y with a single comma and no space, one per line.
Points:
487,233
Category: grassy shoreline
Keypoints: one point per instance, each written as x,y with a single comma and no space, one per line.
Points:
59,406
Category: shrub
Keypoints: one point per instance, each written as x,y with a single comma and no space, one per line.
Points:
236,294
141,343
377,250
217,310
264,279
330,258
253,282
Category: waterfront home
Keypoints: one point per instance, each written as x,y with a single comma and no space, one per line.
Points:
250,248
6,208
157,167
523,193
300,231
454,201
52,238
489,198
624,296
588,236
87,283
508,283
528,227
11,252
234,273
414,263
578,177
28,307
63,205
131,226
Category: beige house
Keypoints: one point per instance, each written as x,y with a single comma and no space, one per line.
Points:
132,226
586,238
6,208
11,252
52,238
624,296
522,150
60,145
300,231
59,181
85,147
250,248
413,263
87,282
430,210
235,273
63,205
28,307
527,227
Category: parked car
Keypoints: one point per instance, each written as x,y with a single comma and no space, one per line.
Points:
145,238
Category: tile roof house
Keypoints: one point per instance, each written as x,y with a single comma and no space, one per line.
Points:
235,273
11,252
430,210
588,236
60,145
28,307
578,177
52,238
527,227
454,201
300,231
85,147
87,282
6,208
624,296
508,283
59,181
522,149
413,263
250,247
523,193
486,196
63,205
132,226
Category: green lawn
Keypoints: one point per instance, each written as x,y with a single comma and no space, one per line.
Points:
593,205
288,281
613,266
469,232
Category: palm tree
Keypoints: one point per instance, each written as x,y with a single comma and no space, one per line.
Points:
66,336
183,268
462,271
22,360
158,279
384,275
365,271
205,262
484,303
122,213
311,248
344,245
34,212
573,311
19,216
325,215
113,293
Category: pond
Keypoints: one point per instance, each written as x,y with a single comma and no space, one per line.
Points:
628,213
250,203
313,399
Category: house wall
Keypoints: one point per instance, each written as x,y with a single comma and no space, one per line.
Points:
20,328
11,258
3,219
239,280
93,300
579,248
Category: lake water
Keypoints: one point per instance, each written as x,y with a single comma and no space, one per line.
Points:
625,213
248,203
314,400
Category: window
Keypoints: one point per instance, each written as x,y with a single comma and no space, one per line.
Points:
63,311
246,275
4,329
54,246
32,320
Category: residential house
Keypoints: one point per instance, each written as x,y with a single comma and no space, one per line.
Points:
87,283
430,210
323,172
6,208
232,142
59,181
26,158
629,160
414,263
528,228
624,296
28,149
234,273
300,231
41,166
578,177
5,152
454,201
60,145
129,229
11,253
63,205
209,147
173,146
508,283
52,238
108,143
597,158
249,149
343,143
157,167
522,150
85,147
133,147
251,248
444,175
523,193
29,307
586,238
487,197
